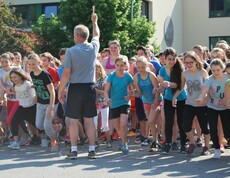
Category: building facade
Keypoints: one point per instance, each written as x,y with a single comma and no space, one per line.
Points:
179,23
185,23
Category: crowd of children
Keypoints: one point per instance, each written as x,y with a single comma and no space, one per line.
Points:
161,95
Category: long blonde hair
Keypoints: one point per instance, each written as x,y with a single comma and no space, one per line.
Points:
98,65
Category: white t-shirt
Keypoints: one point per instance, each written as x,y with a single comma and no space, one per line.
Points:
25,94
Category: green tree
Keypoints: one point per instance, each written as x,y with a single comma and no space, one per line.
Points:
114,21
50,34
12,39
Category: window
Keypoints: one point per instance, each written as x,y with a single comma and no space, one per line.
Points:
219,8
49,9
145,9
215,39
28,14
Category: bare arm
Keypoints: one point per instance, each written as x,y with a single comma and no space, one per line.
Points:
106,93
138,91
177,93
166,84
96,30
227,95
50,87
156,85
99,92
64,80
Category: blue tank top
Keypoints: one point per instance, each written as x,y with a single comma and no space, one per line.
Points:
146,88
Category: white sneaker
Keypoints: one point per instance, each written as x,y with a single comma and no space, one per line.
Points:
146,142
44,143
217,154
15,145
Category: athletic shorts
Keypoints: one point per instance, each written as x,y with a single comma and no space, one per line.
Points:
116,112
81,100
147,106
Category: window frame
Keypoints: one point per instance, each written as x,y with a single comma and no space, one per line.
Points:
50,4
223,12
219,38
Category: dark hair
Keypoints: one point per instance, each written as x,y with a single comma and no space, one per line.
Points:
175,74
170,51
62,51
142,48
176,71
227,65
21,73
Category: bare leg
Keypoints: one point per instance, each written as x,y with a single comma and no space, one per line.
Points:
90,130
74,131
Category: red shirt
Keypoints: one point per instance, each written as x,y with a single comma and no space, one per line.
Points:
54,74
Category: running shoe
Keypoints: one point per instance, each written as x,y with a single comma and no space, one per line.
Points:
54,146
125,149
35,140
25,139
175,146
115,136
92,155
119,146
72,155
15,145
109,144
102,136
217,154
191,148
166,147
183,149
138,140
199,142
205,151
131,134
146,142
154,147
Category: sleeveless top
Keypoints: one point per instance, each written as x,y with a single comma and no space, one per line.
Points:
146,88
194,85
108,65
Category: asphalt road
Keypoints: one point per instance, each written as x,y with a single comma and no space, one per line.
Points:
36,162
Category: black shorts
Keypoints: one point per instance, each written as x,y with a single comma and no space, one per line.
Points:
140,111
81,101
116,112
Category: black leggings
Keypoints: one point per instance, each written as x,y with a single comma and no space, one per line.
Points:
169,120
22,114
190,112
213,120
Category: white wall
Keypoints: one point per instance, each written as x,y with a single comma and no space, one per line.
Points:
198,27
161,10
